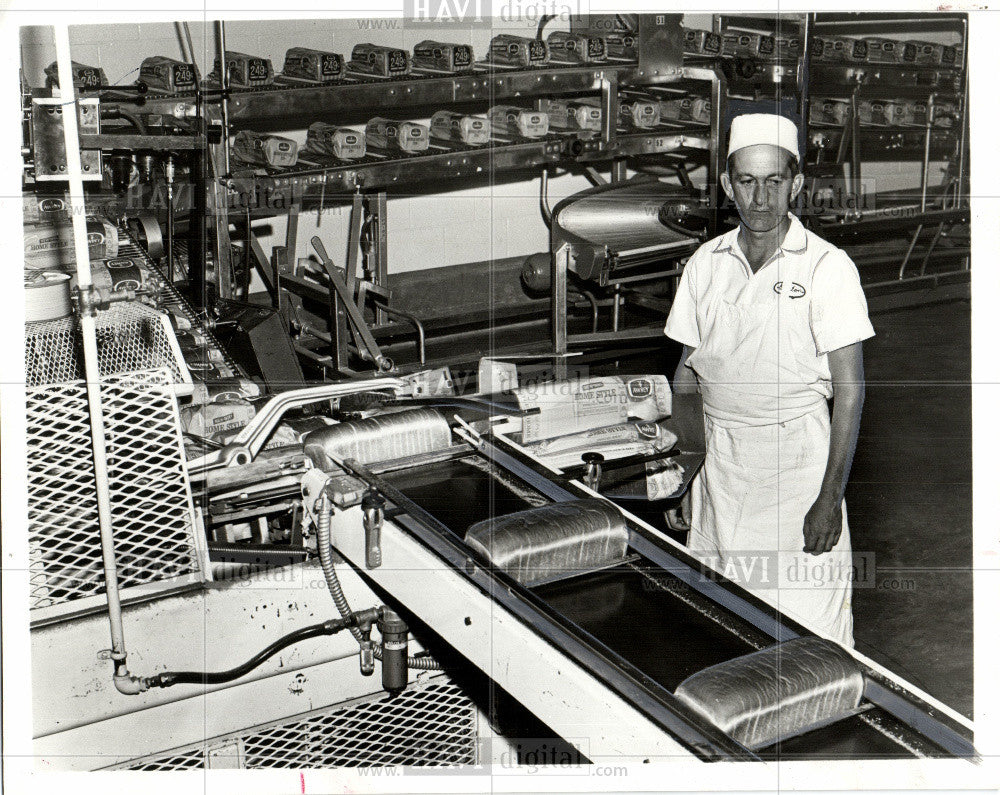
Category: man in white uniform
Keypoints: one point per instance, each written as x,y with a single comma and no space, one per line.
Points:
771,318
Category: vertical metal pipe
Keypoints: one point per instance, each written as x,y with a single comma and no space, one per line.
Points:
609,107
715,156
190,43
804,63
288,261
965,111
927,153
855,156
244,287
91,362
381,251
803,84
223,247
354,240
560,269
186,55
197,228
169,173
856,148
224,85
609,122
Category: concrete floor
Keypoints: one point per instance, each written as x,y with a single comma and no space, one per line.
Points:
910,500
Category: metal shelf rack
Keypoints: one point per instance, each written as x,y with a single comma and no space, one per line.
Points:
316,180
366,184
854,144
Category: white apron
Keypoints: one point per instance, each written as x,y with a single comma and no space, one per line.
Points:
760,475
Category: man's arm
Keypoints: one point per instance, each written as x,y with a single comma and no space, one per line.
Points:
685,381
823,523
687,410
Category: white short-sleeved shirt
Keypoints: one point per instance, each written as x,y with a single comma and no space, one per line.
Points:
761,339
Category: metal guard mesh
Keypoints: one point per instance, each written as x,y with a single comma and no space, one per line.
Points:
433,724
151,506
187,760
130,336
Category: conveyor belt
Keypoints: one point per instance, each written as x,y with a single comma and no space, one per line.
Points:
174,303
669,640
872,735
657,626
650,627
460,493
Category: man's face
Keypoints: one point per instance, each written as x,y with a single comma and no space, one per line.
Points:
762,185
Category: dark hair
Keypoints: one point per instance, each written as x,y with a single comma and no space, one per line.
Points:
792,163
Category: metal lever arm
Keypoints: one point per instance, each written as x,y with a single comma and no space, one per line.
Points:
248,442
362,333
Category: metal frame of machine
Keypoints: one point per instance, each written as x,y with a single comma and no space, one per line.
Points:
582,688
920,211
106,729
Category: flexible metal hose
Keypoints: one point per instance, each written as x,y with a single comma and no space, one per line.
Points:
323,514
326,561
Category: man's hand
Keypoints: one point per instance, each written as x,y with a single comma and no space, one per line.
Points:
824,521
822,527
679,519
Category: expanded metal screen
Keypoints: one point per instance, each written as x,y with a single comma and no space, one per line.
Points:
187,760
431,725
130,336
151,505
427,724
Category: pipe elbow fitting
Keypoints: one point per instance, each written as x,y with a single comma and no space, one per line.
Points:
130,685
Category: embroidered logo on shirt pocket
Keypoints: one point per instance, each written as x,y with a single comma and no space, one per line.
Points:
796,290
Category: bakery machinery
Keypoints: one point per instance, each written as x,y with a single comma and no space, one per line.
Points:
495,562
574,601
618,234
390,565
208,155
610,231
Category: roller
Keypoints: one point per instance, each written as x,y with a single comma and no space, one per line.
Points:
777,692
382,438
552,540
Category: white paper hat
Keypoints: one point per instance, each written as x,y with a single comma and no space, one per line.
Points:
751,129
